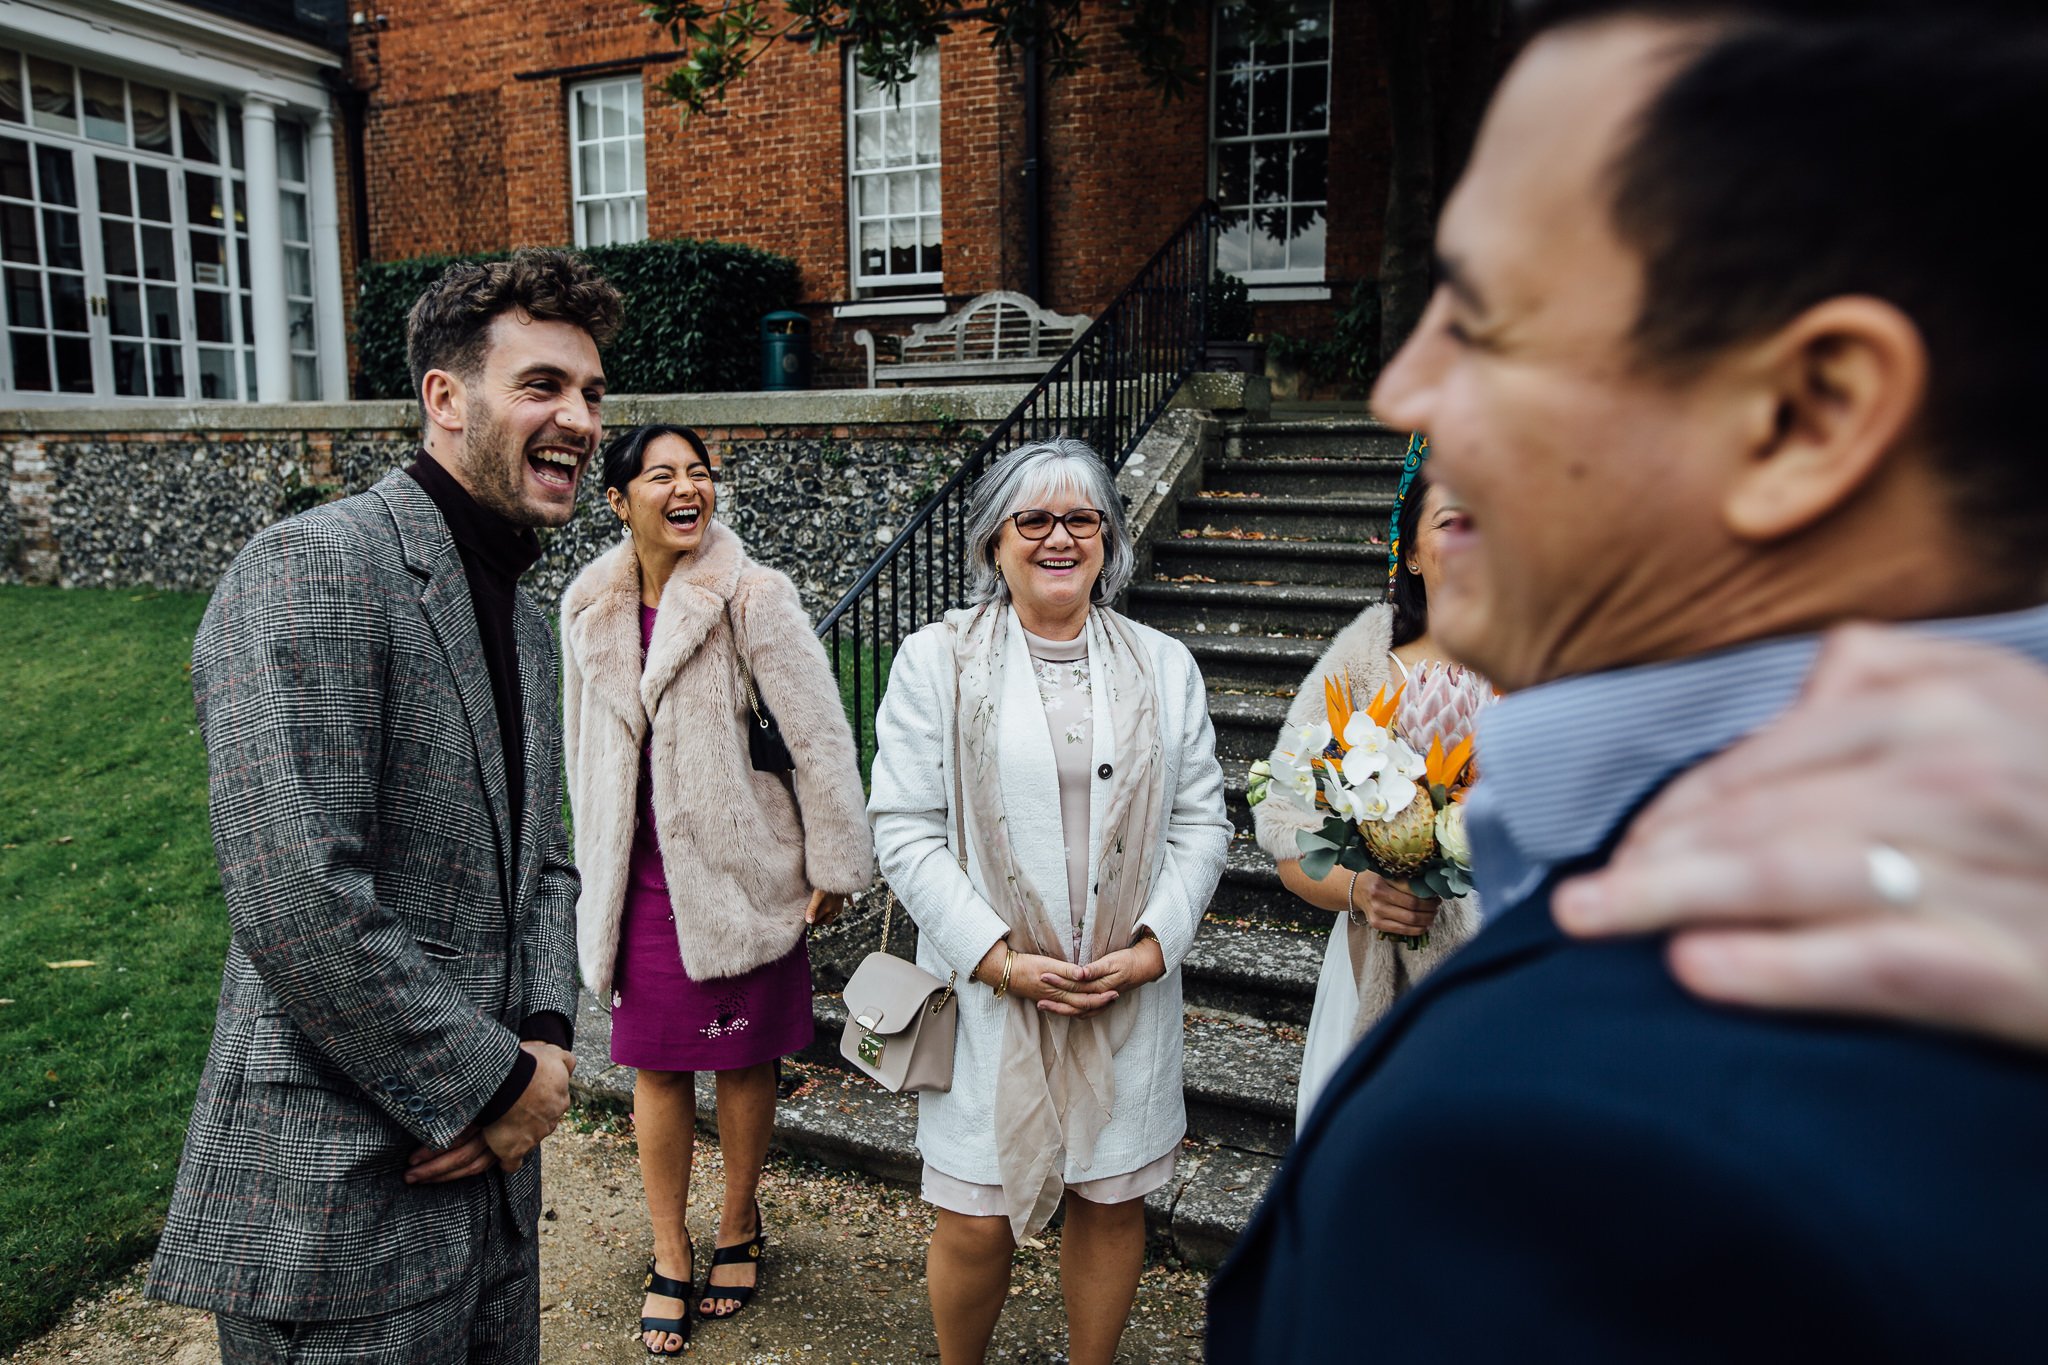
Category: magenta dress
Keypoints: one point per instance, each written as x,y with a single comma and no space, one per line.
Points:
664,1021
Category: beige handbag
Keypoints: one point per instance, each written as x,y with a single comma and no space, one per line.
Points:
900,1021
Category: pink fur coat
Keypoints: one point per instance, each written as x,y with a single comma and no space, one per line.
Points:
741,853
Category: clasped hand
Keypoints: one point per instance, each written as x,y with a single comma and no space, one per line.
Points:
507,1141
1076,990
1391,907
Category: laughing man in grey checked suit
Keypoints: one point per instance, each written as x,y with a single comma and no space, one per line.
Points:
360,1181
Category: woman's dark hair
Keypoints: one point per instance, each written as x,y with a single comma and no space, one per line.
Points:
628,451
1409,596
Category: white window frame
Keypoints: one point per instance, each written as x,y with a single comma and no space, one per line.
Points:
1266,59
588,195
881,195
83,146
302,318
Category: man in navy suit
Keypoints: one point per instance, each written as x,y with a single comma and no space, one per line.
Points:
1737,338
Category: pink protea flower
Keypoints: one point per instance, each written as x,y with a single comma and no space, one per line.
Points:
1441,702
1440,705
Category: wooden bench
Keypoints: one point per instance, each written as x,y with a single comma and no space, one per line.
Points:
997,335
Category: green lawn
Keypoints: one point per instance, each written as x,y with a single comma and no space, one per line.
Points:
104,857
863,675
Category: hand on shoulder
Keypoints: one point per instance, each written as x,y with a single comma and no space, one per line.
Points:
1908,760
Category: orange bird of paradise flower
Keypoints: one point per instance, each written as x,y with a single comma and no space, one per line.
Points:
1337,705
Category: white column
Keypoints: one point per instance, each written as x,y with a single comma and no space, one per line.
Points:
327,300
266,249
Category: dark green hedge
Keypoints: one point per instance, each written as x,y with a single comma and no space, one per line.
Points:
693,314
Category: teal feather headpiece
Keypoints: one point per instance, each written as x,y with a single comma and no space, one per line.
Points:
1418,451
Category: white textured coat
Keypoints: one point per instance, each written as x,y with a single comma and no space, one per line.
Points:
740,853
915,839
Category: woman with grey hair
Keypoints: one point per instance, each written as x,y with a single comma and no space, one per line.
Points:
1048,807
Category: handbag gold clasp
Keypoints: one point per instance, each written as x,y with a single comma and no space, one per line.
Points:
872,1045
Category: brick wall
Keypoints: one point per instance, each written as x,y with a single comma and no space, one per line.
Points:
467,150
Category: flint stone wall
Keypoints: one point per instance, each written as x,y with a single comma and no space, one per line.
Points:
164,496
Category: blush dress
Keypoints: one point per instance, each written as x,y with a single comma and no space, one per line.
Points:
663,1019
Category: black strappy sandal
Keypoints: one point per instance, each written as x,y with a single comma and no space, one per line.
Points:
658,1283
746,1253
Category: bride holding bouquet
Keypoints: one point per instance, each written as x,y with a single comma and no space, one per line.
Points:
1390,931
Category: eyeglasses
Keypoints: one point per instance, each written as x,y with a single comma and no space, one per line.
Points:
1035,523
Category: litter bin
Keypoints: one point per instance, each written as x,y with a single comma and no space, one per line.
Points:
785,351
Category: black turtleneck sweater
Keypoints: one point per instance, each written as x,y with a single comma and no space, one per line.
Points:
494,555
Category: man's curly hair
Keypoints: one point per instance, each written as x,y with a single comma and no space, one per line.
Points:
450,322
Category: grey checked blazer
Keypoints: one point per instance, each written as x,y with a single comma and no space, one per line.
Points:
383,951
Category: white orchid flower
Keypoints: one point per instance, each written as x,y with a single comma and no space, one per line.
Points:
1363,764
1305,742
1361,733
1404,761
1343,801
1398,792
1298,782
1370,802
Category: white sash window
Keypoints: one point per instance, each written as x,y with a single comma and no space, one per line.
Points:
892,168
1269,144
607,162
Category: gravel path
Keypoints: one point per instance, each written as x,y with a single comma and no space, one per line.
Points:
844,1283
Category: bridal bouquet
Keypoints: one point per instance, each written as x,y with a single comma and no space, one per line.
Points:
1388,780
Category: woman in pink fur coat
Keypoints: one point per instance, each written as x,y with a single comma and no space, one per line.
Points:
700,872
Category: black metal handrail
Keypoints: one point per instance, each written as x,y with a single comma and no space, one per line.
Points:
1108,389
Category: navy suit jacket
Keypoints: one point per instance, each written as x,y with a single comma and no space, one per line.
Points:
1548,1151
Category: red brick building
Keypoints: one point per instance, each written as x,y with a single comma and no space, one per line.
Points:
486,125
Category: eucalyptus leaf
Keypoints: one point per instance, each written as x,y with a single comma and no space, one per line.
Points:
1318,864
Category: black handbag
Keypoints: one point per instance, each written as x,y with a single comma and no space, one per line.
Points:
766,749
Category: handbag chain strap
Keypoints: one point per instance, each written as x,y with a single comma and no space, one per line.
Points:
959,814
739,654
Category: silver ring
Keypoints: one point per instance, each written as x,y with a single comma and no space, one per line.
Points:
1893,876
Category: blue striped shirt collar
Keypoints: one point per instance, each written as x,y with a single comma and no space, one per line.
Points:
1563,764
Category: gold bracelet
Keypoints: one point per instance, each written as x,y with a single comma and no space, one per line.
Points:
1350,895
1009,961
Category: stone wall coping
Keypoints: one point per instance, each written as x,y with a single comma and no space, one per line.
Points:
978,403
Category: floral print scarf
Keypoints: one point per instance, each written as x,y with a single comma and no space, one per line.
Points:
1058,1087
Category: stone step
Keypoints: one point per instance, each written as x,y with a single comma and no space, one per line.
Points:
843,1120
1236,786
1255,966
1311,562
1291,518
1246,725
1251,893
1290,478
1351,435
1244,662
1240,1074
1301,609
